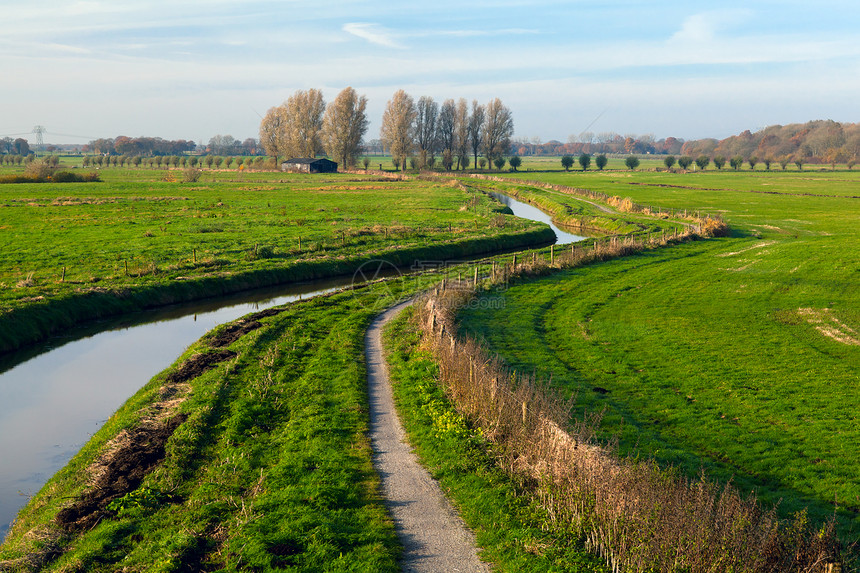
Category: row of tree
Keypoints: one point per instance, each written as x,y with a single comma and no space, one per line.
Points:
412,131
304,126
455,131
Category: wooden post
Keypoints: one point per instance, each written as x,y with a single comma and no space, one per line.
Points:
525,413
534,258
515,262
194,255
475,282
551,254
126,268
62,280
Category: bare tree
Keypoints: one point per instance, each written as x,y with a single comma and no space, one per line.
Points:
498,129
447,131
344,125
304,121
425,130
398,126
476,129
461,133
272,132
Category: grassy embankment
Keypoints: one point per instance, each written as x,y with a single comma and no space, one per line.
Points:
250,451
77,251
740,355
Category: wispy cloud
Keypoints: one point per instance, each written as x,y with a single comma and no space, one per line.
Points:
373,33
703,27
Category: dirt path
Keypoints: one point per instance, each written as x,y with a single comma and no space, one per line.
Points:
434,538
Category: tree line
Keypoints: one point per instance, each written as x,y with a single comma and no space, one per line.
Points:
821,141
415,132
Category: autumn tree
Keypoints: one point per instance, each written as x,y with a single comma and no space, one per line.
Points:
752,161
476,129
426,136
344,126
498,129
398,127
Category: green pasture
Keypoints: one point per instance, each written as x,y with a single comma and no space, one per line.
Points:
738,355
146,228
270,470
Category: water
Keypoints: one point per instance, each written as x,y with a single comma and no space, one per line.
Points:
55,396
526,211
52,401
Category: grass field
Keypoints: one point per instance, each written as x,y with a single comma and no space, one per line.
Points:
138,229
269,467
740,355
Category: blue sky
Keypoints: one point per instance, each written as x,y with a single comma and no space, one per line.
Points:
191,69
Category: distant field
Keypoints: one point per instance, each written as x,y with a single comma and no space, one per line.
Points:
140,227
739,354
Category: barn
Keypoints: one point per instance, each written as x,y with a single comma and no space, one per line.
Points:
309,165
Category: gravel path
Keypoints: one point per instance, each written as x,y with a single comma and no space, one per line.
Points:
434,538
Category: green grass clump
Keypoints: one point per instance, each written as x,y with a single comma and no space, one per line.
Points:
511,530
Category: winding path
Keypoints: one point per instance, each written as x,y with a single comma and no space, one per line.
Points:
434,537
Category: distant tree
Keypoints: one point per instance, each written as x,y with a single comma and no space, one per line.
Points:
799,162
499,162
685,161
86,161
784,161
669,161
218,162
136,160
183,161
482,162
767,161
584,161
272,131
703,161
194,161
413,163
366,163
395,161
752,161
446,131
632,162
209,161
601,161
344,126
228,162
515,162
736,162
398,127
239,162
567,162
426,135
498,129
719,161
461,134
851,163
476,129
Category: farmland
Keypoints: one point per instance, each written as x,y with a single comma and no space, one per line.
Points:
153,239
739,355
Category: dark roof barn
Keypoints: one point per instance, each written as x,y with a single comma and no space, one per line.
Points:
309,165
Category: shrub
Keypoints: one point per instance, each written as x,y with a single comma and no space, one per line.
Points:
191,175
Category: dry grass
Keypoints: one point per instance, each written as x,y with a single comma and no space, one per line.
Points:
636,515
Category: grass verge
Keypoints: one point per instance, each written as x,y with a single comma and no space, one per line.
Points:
513,532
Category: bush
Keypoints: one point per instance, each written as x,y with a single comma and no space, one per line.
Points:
191,175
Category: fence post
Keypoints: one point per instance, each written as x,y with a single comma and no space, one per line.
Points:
475,282
551,254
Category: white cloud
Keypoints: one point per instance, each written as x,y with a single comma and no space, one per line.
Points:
703,27
373,33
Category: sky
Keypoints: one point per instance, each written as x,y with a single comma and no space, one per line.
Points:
192,69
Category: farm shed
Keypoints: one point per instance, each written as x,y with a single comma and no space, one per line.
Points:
309,165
